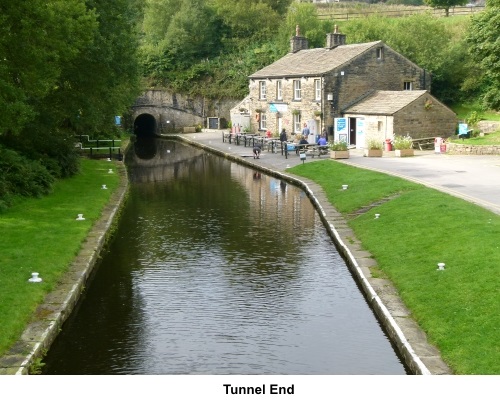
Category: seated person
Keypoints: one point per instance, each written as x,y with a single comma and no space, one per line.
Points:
322,141
256,152
303,141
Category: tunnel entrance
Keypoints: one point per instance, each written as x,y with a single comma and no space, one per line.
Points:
145,126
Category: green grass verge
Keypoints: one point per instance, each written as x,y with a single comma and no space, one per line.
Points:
489,139
42,235
463,111
458,308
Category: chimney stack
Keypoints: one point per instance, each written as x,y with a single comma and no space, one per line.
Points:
297,43
335,39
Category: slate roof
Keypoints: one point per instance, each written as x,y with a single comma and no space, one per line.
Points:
313,62
384,102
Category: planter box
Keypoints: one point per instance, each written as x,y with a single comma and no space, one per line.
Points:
339,154
373,153
403,152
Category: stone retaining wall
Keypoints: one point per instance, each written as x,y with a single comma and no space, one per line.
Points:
459,149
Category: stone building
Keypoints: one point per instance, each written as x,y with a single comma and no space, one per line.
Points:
315,86
384,114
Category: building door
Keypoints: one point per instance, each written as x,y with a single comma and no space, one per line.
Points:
280,124
352,131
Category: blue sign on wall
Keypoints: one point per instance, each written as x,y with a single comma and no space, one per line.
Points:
341,124
118,120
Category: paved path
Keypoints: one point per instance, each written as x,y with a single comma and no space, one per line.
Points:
473,178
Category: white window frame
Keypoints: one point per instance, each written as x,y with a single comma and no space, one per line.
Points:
380,53
297,90
263,121
317,89
262,90
297,120
279,90
407,85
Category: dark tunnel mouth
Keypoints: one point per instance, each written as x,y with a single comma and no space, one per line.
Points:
145,126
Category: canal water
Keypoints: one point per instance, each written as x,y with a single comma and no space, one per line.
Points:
216,268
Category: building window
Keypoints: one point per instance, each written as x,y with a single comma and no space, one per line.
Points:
263,121
296,123
262,89
279,90
380,53
297,95
317,89
407,86
380,126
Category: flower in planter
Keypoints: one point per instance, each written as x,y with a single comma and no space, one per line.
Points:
402,142
337,146
374,143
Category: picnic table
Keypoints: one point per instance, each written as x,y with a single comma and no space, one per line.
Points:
423,143
310,149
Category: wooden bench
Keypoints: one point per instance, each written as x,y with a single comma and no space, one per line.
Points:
423,143
317,150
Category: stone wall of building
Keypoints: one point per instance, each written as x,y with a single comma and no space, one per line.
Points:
424,118
370,72
290,110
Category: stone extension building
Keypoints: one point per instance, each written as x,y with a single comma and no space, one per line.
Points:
318,86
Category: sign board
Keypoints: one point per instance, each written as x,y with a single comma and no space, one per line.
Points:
462,129
278,107
118,120
341,132
360,133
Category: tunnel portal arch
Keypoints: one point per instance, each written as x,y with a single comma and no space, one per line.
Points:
145,126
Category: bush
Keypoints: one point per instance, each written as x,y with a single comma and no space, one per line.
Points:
20,176
402,142
337,146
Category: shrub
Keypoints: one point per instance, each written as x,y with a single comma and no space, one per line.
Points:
402,142
373,143
20,176
337,146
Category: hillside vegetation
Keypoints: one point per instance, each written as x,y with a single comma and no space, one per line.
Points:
85,61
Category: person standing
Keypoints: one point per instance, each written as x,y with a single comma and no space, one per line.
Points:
305,131
283,136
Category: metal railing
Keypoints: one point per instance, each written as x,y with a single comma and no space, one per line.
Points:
96,151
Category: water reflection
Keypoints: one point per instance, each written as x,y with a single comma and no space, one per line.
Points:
218,269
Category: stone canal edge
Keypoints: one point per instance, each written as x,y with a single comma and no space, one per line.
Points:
419,356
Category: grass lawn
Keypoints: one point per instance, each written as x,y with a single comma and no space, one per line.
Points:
489,139
465,109
42,235
458,308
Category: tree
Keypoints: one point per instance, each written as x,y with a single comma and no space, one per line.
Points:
36,40
445,4
306,17
485,51
67,66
